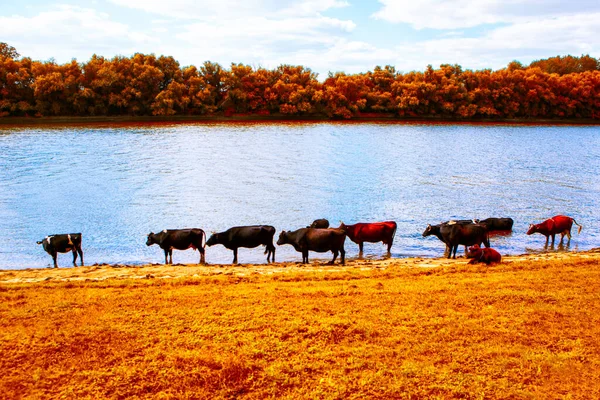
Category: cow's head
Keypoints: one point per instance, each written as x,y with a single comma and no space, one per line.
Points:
532,229
343,226
474,252
428,231
283,238
151,239
213,239
45,242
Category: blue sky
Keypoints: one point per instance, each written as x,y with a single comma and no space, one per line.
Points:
324,35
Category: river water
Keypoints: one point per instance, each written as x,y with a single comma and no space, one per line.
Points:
117,183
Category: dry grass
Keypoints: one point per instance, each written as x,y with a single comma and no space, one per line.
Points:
528,328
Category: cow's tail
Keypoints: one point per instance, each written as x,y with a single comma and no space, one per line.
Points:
394,233
203,240
580,226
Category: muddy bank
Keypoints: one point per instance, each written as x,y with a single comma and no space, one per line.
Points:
100,272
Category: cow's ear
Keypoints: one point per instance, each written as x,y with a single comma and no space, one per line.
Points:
39,242
428,226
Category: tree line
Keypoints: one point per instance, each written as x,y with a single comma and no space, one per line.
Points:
555,88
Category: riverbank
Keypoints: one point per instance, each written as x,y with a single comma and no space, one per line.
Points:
276,118
526,328
100,272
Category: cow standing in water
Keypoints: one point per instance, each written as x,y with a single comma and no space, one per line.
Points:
371,232
457,234
319,240
557,224
246,236
179,239
496,224
321,223
63,243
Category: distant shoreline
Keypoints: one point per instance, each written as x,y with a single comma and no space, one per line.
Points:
278,118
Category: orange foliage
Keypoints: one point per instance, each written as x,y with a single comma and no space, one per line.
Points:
559,87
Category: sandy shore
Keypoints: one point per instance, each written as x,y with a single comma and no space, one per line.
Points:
100,272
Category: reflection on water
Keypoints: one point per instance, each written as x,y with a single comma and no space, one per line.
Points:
116,184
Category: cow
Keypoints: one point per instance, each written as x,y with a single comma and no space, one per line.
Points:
371,232
454,235
246,236
496,224
557,224
319,224
319,240
179,239
63,243
485,255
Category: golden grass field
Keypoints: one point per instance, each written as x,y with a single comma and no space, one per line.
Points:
528,328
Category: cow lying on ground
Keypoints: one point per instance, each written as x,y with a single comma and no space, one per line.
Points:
319,224
246,236
179,239
485,255
319,240
454,235
557,224
371,232
63,243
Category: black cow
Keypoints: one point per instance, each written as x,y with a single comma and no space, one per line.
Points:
179,239
246,236
319,240
319,224
497,224
63,243
456,234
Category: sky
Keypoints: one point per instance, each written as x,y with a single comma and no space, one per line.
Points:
323,35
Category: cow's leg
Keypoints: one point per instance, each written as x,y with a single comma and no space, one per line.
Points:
360,248
343,255
304,256
235,255
272,253
335,254
202,251
54,257
568,233
171,256
166,256
74,257
389,247
455,250
546,245
553,236
80,251
465,251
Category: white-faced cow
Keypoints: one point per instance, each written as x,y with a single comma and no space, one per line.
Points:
178,239
246,236
319,240
63,243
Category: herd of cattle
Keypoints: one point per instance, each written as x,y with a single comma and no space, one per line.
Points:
319,237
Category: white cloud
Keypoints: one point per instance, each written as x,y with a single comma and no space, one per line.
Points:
455,14
68,29
231,9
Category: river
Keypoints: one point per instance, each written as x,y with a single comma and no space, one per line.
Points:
117,183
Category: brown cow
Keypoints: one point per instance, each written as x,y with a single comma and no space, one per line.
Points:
486,255
557,224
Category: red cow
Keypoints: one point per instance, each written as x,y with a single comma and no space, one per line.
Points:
550,227
486,255
371,232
